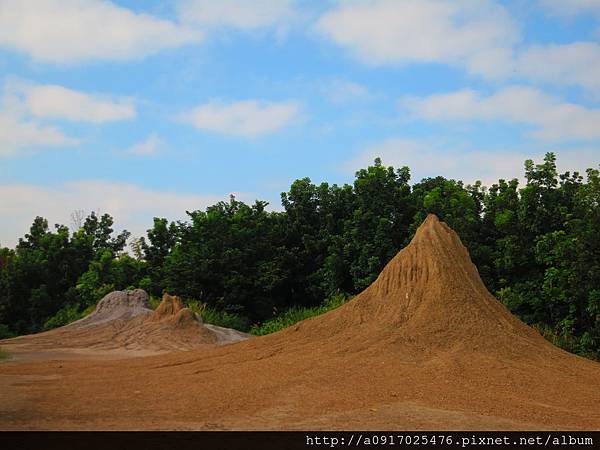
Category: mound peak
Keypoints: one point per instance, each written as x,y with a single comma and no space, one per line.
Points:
434,260
171,309
169,306
118,305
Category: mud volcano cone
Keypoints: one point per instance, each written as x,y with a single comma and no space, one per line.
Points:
124,321
429,297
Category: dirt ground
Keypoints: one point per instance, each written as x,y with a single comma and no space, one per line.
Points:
424,347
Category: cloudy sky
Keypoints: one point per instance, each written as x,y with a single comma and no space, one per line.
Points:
150,108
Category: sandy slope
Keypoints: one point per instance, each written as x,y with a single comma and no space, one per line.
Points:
424,347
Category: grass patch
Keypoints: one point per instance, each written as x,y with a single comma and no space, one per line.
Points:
297,314
217,317
66,315
3,354
238,322
154,302
566,341
212,315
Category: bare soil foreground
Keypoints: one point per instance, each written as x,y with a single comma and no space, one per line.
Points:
424,347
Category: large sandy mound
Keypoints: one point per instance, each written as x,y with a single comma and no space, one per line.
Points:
429,299
124,321
424,347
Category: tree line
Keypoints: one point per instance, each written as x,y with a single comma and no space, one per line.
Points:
537,248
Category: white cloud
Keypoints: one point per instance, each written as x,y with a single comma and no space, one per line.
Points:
150,146
569,64
495,64
57,102
478,35
248,118
132,206
573,64
242,14
551,119
24,104
398,32
17,134
430,159
70,31
344,91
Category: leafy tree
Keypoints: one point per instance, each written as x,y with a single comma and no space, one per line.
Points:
229,256
162,238
38,278
379,223
106,273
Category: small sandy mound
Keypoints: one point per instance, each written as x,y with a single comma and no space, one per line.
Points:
168,308
124,321
171,309
118,305
172,313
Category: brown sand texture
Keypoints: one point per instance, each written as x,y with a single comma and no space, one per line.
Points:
426,346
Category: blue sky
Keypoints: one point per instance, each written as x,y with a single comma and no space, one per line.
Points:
151,108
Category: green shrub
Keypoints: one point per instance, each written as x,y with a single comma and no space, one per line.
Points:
66,315
5,332
297,314
567,341
218,317
154,301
